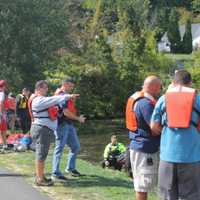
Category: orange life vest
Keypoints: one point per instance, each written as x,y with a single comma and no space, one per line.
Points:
131,120
179,106
52,111
70,103
11,103
6,104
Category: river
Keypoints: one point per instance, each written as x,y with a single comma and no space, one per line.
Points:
95,135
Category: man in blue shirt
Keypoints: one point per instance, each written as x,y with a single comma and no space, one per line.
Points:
143,146
179,169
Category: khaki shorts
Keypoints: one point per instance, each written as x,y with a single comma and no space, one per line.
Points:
145,170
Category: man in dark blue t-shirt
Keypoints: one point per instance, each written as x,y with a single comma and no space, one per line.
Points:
143,146
141,139
66,134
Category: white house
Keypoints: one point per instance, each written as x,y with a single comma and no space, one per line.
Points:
164,44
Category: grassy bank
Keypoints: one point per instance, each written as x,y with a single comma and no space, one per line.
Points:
96,184
180,57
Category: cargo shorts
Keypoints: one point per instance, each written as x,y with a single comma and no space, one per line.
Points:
41,138
145,170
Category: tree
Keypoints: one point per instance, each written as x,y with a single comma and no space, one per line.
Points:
184,3
187,38
172,3
196,6
117,49
31,32
173,32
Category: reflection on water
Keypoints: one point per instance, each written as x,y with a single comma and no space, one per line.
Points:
95,135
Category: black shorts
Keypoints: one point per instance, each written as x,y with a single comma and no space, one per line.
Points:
179,180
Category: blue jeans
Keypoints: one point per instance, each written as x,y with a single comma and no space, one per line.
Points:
66,134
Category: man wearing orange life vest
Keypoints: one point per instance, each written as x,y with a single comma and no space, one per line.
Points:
66,134
11,111
143,146
44,123
3,125
176,117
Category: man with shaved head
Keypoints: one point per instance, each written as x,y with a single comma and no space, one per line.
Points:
143,146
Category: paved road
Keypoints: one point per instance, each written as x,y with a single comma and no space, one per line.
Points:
13,187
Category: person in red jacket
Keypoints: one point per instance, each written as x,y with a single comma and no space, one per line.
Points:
3,125
11,112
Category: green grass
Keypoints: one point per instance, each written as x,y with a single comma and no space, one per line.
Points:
196,19
179,57
97,184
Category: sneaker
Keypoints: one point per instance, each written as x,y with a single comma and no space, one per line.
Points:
60,178
5,147
47,179
73,172
43,182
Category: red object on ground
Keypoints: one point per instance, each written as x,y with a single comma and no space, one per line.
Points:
14,138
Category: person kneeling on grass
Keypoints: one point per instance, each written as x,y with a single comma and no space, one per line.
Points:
114,154
44,122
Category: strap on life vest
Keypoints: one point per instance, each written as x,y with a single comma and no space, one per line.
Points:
196,124
179,106
52,111
131,120
30,106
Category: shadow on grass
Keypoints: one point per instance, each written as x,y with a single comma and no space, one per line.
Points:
100,181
